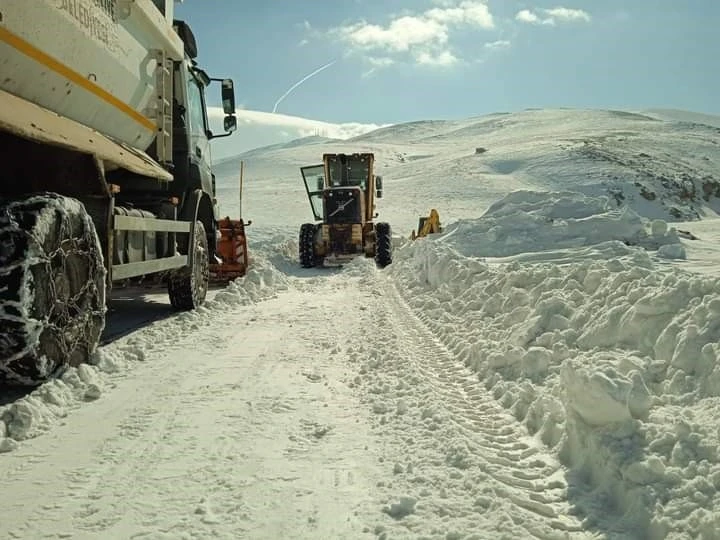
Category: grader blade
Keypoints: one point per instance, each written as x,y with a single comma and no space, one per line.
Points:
428,225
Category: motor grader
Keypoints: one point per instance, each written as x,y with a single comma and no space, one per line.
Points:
342,192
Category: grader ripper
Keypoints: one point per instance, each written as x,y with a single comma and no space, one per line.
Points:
342,192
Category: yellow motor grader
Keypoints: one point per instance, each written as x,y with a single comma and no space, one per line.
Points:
342,192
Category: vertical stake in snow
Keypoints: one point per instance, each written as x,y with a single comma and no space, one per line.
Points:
242,168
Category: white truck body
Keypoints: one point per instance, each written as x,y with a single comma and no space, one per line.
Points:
92,61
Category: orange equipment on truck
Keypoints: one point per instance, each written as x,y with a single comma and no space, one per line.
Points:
231,253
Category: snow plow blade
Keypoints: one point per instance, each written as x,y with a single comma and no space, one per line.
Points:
428,225
231,251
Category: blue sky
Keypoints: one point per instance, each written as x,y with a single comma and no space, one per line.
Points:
402,60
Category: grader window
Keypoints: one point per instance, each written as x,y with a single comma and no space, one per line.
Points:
347,172
313,179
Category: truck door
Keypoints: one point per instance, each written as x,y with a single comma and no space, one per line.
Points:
199,144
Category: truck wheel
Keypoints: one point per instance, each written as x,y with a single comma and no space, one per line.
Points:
383,245
52,287
187,287
306,245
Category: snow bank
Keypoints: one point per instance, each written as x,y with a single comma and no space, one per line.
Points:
37,412
262,281
526,222
612,362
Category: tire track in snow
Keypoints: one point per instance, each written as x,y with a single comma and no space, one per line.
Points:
144,456
115,489
511,457
112,491
244,428
480,440
119,460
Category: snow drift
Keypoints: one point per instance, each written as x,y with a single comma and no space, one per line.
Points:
612,361
523,223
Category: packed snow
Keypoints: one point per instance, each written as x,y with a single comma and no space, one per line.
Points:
607,357
546,367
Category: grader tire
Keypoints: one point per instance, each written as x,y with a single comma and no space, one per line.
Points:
306,245
383,245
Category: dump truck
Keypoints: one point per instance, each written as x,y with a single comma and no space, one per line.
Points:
106,177
342,192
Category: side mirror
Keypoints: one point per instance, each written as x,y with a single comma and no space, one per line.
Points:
378,187
320,183
230,123
228,96
228,100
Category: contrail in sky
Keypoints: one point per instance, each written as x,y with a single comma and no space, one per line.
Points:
305,78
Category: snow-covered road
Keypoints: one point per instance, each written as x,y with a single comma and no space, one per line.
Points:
228,432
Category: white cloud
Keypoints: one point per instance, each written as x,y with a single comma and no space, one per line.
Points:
499,44
304,126
377,63
566,14
552,16
259,128
468,12
382,61
400,35
527,16
444,58
424,37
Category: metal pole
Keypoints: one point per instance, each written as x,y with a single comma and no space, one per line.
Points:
242,170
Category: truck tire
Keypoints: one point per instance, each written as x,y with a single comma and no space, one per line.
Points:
52,287
187,287
383,245
306,245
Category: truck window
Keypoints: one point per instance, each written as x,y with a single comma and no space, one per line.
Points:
195,107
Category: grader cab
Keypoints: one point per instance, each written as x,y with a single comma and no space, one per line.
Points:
342,192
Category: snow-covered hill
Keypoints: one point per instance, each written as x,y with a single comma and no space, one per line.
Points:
663,169
547,367
676,115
